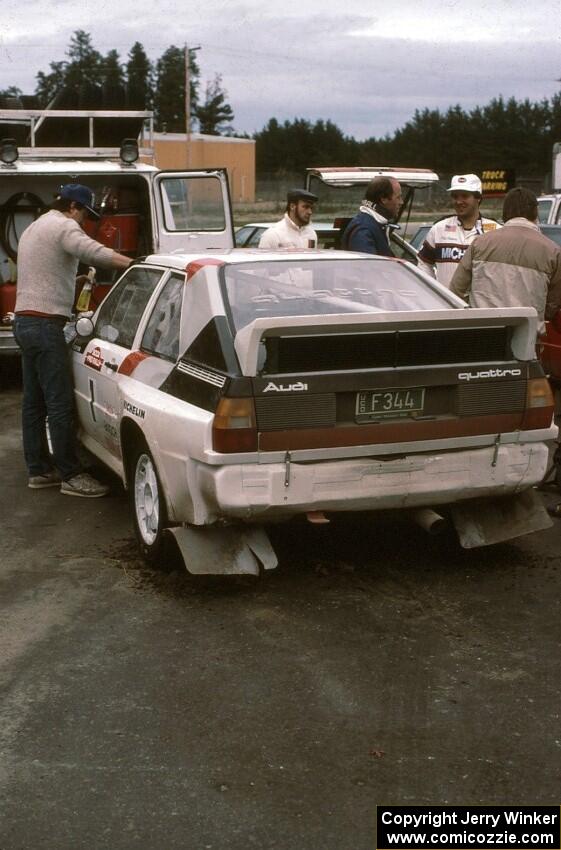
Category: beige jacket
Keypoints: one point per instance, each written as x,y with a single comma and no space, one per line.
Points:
516,266
48,255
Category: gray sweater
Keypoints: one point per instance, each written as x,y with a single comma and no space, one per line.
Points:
48,255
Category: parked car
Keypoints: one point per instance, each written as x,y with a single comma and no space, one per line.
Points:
419,236
249,235
257,386
549,208
329,236
549,346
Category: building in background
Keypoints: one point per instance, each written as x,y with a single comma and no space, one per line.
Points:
237,155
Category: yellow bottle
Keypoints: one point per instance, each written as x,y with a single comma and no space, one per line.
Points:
83,302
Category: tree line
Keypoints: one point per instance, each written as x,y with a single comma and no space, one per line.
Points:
503,134
87,79
507,134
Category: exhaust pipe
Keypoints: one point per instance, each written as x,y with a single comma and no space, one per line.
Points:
317,518
430,521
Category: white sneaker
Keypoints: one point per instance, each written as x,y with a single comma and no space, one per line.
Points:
84,485
46,479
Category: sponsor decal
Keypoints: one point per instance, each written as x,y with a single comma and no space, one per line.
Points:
450,228
133,410
93,359
489,226
111,430
452,253
489,373
298,387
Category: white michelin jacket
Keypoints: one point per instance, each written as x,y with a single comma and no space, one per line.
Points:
286,234
446,244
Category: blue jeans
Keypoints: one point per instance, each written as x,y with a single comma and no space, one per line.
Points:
48,390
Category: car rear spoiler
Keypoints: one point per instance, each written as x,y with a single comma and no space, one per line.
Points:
523,321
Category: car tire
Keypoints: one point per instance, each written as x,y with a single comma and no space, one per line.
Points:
148,506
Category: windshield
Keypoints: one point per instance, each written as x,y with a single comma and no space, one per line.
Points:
319,287
192,203
544,208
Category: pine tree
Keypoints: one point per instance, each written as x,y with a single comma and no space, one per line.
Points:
81,75
215,114
140,79
169,99
113,81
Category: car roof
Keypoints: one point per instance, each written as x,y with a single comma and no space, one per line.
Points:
257,255
317,225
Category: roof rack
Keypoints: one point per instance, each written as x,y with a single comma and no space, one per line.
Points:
29,125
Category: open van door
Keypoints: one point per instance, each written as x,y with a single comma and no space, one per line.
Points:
193,211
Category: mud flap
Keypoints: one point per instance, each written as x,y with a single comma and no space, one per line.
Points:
488,521
224,551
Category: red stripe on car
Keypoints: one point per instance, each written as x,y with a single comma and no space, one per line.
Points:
131,361
196,265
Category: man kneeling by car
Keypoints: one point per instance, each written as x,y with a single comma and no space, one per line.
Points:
48,255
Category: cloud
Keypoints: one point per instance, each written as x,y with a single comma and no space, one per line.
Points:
366,72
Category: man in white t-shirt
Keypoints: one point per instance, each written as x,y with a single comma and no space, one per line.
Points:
294,229
448,239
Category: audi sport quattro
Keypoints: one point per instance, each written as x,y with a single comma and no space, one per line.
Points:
251,386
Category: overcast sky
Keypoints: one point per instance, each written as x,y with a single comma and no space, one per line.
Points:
364,64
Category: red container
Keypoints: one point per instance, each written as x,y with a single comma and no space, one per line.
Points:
90,227
7,298
118,231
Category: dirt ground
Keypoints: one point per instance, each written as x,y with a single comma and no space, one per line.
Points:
144,709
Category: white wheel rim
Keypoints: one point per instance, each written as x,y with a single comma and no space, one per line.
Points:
146,499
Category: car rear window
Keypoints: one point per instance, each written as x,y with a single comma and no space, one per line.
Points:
319,287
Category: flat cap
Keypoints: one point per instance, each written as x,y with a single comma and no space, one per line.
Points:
295,195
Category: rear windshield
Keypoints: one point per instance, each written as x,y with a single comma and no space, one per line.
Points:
319,287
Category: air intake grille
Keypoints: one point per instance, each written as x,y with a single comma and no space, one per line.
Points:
391,349
496,397
282,412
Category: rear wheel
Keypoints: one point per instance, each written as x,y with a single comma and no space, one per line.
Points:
148,504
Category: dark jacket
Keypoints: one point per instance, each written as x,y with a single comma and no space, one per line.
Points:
364,233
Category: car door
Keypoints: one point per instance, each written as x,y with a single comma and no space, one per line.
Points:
97,363
193,211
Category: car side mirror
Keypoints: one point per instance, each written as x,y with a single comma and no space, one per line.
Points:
84,326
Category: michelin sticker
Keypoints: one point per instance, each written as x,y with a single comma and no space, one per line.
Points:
134,411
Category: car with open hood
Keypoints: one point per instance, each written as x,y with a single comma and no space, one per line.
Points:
246,387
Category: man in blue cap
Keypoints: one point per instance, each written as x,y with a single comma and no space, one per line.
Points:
48,254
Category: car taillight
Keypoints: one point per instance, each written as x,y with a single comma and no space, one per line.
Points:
234,428
539,404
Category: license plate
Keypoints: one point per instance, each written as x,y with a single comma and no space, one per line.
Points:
388,404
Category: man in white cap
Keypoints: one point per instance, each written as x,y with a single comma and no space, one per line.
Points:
449,238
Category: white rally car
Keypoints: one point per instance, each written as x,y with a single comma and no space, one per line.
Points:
248,386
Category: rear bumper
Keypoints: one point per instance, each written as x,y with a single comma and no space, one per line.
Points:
271,491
